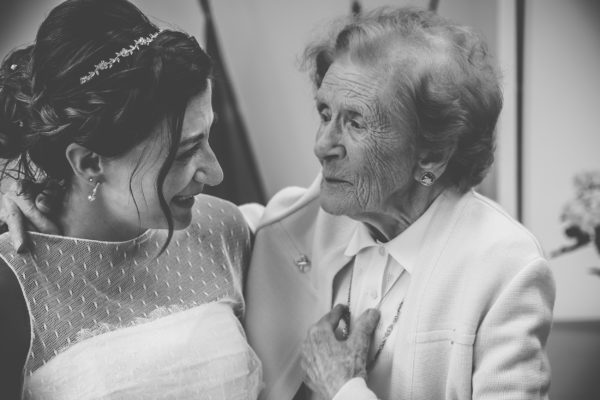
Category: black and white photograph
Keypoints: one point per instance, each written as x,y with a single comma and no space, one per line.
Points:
299,200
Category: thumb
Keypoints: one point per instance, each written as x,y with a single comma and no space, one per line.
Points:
365,326
333,317
43,203
49,197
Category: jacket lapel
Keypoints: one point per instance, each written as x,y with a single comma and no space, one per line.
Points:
449,207
332,235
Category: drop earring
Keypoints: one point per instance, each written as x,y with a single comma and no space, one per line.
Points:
94,191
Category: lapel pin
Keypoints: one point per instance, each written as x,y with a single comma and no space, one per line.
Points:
303,263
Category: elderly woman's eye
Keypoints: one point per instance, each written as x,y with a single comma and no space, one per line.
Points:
324,114
356,124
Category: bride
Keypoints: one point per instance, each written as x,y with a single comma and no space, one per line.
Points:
141,294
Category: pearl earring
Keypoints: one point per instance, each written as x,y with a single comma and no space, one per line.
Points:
427,179
94,191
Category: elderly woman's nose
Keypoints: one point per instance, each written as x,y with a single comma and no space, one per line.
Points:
327,145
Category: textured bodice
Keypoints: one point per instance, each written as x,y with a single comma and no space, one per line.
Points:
80,290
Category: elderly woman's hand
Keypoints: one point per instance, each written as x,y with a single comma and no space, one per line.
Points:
329,361
20,211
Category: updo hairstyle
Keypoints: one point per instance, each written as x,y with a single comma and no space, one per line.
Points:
44,106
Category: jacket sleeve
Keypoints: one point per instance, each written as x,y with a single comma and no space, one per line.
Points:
252,213
509,357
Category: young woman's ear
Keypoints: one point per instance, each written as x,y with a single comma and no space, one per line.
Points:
85,163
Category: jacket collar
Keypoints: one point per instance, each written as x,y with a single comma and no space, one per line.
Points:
281,209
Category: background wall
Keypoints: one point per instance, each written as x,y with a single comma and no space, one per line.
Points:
562,133
562,138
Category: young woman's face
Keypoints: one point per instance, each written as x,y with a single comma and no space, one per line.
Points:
130,180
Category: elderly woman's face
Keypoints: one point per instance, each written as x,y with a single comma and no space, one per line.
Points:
367,158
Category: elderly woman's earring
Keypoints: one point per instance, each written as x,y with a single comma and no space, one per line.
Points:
427,179
92,195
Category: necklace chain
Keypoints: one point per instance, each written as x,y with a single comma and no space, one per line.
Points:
388,331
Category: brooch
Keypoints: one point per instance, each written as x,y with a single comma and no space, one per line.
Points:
303,263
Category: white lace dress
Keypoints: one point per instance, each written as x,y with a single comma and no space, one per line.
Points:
111,320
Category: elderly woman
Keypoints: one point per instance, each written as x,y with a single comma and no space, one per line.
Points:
408,103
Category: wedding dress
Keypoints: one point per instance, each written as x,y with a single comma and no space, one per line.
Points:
116,320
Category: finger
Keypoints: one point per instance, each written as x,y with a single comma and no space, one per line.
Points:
332,318
15,222
51,193
40,221
15,187
365,326
43,203
308,365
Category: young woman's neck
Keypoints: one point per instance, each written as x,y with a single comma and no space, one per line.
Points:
86,219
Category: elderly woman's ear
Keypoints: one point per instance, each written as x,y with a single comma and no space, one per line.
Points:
431,166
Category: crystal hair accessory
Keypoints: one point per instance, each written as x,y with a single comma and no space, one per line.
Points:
124,52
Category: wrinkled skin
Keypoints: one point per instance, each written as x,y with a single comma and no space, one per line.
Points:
368,157
328,361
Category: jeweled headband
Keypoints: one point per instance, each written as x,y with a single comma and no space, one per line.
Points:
124,52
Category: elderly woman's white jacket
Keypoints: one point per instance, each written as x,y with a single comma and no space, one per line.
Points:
475,319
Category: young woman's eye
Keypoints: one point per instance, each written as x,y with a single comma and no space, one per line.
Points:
188,154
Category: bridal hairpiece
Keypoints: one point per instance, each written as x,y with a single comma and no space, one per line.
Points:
124,52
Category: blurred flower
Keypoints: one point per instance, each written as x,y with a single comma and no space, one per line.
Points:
584,210
582,214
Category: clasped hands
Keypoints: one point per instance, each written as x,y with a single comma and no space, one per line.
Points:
329,360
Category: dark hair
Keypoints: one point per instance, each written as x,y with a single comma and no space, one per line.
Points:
45,107
442,84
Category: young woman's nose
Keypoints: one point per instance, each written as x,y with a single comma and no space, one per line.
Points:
210,172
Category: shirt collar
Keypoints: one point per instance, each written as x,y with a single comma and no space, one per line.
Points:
404,248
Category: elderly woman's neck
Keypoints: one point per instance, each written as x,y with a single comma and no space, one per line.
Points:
401,212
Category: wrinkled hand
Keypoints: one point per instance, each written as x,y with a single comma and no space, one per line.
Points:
330,362
20,212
